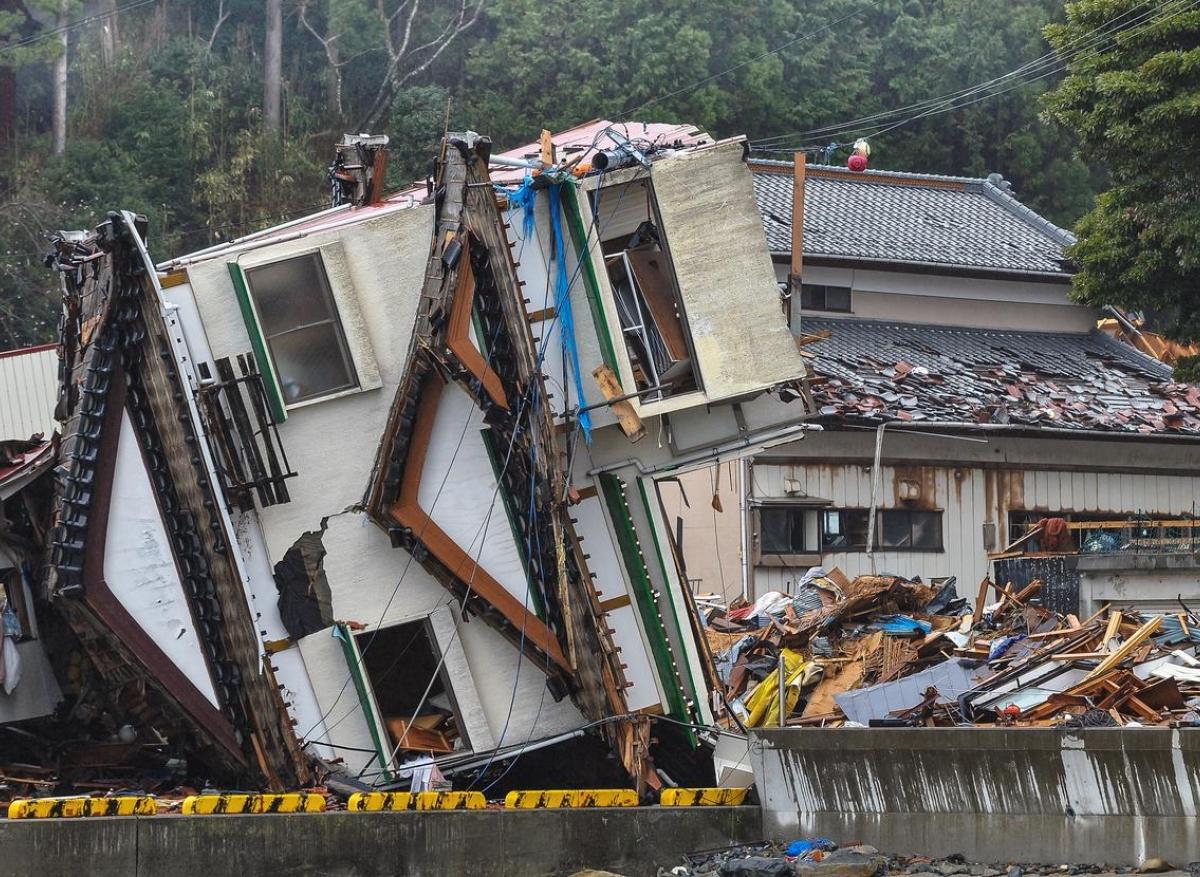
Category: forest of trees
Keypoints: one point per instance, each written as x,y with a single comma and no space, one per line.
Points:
214,117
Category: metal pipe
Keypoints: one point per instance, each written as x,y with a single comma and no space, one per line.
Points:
782,689
750,441
528,164
624,398
874,495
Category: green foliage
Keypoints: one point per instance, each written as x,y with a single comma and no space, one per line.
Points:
172,127
1135,108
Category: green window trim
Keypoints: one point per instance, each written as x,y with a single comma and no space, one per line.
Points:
579,236
342,633
511,513
684,630
258,343
643,593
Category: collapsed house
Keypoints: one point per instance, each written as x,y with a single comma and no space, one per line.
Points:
379,486
962,399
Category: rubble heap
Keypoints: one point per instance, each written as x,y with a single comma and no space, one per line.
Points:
884,651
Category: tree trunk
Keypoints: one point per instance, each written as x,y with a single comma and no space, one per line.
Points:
60,83
109,38
273,69
334,86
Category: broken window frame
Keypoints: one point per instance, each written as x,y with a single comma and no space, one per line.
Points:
364,642
615,260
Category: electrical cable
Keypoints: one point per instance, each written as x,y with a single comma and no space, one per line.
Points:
72,25
1082,47
1031,66
533,389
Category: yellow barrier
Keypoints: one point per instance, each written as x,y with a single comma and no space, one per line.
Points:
287,802
571,798
362,802
702,797
62,808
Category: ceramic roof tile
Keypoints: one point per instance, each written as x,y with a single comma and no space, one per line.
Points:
953,221
885,371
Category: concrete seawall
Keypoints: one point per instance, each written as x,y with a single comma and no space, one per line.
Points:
1044,795
481,843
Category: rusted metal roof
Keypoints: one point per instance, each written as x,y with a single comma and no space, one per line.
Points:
28,391
887,371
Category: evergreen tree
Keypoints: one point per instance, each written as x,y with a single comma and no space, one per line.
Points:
1134,104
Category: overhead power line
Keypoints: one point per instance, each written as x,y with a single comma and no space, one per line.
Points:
72,25
1085,46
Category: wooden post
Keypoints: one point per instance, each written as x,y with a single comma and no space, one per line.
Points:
797,267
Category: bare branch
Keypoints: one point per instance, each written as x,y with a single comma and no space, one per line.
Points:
416,59
222,15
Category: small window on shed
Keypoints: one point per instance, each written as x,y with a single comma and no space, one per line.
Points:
782,530
821,297
301,328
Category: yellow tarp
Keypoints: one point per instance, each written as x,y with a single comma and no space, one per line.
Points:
763,702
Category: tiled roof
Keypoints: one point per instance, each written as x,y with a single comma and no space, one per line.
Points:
898,217
884,371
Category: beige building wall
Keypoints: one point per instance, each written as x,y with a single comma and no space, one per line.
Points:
712,544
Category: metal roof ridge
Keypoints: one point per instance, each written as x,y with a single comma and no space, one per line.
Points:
946,327
1027,214
870,172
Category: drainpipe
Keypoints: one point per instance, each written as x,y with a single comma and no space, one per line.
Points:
743,543
875,477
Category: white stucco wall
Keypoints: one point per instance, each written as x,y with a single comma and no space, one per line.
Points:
332,445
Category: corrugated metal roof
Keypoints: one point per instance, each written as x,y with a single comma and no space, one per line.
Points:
919,218
28,392
888,371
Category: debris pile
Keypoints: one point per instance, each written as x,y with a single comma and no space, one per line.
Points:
819,857
884,651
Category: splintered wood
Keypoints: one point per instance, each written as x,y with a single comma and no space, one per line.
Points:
1019,664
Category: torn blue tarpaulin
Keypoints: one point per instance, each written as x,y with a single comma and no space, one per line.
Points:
562,304
523,197
901,625
1002,645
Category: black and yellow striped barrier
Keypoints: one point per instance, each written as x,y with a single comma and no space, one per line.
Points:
363,802
63,808
702,797
533,800
239,802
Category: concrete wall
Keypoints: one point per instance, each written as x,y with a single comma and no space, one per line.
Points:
1110,796
1152,582
487,843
